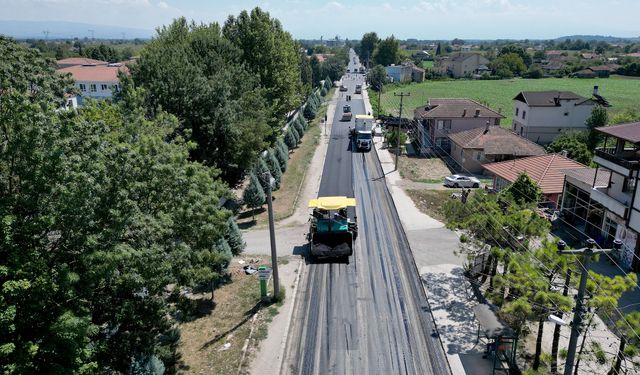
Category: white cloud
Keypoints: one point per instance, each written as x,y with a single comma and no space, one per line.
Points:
335,5
163,5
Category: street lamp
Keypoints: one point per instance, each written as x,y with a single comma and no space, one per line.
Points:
587,253
272,234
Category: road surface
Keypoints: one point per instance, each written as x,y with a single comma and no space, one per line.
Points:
368,316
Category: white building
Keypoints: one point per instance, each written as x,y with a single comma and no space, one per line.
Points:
541,116
95,81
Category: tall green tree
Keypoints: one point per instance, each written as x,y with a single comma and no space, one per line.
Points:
629,328
574,143
599,118
234,237
368,45
194,73
387,51
272,53
274,168
377,77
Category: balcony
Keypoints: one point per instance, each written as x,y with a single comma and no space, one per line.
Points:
622,162
601,196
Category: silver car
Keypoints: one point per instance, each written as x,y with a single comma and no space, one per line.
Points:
458,181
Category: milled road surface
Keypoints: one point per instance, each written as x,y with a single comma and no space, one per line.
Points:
369,316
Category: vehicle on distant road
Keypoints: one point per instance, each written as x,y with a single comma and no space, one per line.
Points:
358,89
362,133
331,231
458,181
343,88
346,113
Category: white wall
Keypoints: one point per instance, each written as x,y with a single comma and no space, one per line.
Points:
100,93
543,124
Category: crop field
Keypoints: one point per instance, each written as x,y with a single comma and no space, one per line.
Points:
622,93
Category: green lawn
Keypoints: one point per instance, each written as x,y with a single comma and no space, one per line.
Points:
427,64
621,92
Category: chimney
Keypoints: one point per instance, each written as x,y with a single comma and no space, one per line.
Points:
565,153
477,112
486,127
464,112
595,90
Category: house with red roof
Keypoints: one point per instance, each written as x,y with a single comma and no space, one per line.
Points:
95,81
474,147
546,170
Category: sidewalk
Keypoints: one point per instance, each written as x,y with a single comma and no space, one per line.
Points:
434,247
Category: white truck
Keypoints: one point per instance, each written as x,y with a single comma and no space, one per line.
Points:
362,134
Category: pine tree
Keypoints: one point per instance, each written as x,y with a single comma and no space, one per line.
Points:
274,168
290,140
281,155
303,122
524,190
261,169
323,92
295,133
253,196
310,110
299,127
234,237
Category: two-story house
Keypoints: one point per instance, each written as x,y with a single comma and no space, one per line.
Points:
440,117
620,197
95,81
474,147
399,73
466,64
541,116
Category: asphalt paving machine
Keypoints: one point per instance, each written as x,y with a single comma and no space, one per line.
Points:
332,232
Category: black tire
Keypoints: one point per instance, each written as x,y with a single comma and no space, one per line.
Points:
476,185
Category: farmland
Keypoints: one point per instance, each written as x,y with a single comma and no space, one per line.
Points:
621,92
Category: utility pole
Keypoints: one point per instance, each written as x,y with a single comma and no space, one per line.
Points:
576,324
92,34
401,95
46,34
272,235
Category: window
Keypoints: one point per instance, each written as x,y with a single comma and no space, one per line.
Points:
115,87
83,87
444,125
521,131
517,111
478,155
566,113
524,113
93,88
104,87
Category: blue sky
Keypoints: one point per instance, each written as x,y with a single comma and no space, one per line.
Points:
425,19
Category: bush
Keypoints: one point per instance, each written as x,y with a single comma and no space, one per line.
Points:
303,122
391,138
146,364
323,92
295,133
282,156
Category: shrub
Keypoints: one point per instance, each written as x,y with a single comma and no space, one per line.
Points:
323,92
234,237
310,110
282,156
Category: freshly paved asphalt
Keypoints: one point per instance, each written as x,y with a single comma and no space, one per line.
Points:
370,315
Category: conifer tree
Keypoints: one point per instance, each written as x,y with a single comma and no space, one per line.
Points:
253,195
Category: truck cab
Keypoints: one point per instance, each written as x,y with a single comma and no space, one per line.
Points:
358,89
362,134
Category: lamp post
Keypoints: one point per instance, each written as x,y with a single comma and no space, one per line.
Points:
587,253
272,234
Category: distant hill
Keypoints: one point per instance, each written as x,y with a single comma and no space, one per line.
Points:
69,30
598,38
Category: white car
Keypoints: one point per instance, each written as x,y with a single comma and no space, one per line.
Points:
458,180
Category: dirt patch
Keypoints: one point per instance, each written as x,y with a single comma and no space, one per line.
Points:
430,170
238,313
431,202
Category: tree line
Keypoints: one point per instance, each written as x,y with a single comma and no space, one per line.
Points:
108,213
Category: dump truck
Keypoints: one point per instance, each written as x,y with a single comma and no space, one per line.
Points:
358,89
362,134
331,232
346,113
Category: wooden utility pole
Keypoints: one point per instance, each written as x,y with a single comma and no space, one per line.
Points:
401,95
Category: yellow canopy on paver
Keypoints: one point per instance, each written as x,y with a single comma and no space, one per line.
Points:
332,203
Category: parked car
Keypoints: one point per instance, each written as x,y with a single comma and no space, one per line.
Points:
343,88
458,181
